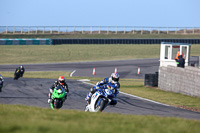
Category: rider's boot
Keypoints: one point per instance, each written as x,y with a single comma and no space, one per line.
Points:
88,98
65,98
49,99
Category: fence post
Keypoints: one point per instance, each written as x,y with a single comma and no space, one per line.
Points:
167,30
58,29
150,30
184,30
36,30
133,30
43,29
51,30
99,29
14,30
82,29
124,30
193,30
90,29
29,30
141,30
158,30
66,29
74,29
116,30
6,29
21,30
108,30
176,31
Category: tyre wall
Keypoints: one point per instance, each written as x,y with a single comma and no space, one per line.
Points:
25,41
123,41
93,41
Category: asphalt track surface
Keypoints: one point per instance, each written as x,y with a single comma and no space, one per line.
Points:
33,92
125,68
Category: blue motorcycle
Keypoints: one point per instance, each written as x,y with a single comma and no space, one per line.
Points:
100,100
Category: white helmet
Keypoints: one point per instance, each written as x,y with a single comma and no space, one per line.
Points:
114,77
1,77
21,66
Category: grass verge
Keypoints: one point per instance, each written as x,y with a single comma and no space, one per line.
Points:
22,54
38,74
71,53
131,86
27,119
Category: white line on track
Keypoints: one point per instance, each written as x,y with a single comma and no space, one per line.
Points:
72,73
88,83
132,95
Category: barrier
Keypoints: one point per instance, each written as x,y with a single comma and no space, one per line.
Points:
93,41
180,80
151,80
123,41
25,41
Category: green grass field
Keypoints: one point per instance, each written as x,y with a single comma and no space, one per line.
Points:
26,119
16,54
70,53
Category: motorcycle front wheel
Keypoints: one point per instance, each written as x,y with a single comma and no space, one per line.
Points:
101,106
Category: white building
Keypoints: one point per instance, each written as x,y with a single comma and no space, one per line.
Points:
168,53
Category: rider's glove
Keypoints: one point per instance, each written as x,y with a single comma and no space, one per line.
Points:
112,88
51,91
97,83
97,87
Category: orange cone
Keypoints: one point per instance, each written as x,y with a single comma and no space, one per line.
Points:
115,69
138,71
93,71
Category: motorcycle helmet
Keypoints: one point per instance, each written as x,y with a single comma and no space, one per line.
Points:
21,66
114,78
1,77
61,80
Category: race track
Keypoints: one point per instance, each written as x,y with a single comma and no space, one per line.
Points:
33,92
125,68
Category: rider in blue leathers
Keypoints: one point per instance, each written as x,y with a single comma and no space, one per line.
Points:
111,83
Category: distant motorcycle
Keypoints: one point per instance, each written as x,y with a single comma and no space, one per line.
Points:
18,74
1,85
100,100
57,98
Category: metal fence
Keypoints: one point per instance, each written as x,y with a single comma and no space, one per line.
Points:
97,30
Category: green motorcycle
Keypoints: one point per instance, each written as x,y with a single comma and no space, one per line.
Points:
57,98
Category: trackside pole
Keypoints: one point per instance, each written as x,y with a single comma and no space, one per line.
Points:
93,73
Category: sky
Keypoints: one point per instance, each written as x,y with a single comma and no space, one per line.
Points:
163,13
